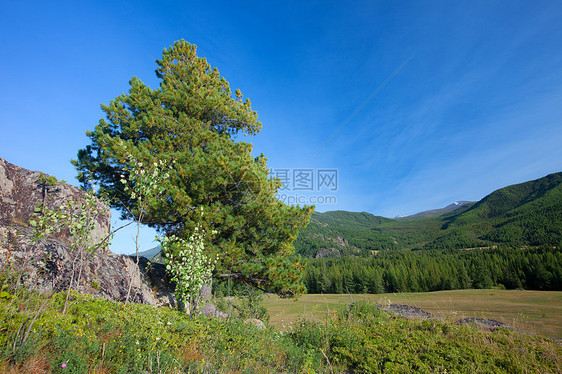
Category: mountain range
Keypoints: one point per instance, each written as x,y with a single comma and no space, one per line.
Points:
525,214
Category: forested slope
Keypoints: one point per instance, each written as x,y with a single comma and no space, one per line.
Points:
525,214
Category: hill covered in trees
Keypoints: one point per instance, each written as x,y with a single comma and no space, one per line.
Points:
341,233
526,214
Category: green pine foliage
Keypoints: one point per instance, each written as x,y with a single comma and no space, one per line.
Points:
436,270
192,123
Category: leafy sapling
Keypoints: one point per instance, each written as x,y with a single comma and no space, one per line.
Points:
79,219
189,266
145,183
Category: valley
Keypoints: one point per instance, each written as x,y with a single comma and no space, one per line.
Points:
534,312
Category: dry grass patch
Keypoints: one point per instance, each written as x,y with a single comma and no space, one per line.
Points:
536,312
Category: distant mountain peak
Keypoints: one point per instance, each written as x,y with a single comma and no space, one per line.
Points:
435,212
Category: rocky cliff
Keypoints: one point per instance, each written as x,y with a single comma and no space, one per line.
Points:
47,265
22,190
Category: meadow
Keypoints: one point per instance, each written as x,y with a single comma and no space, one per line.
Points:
535,312
101,336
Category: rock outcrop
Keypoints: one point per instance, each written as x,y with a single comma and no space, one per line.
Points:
407,311
256,322
48,264
328,252
485,324
21,191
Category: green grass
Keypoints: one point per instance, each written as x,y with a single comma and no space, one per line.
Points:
100,336
536,312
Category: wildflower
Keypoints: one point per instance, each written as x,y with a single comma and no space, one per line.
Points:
63,365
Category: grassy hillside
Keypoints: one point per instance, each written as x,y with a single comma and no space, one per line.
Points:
341,218
526,214
104,337
523,197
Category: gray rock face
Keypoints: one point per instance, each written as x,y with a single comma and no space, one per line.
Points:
485,324
256,322
21,190
407,311
47,265
328,252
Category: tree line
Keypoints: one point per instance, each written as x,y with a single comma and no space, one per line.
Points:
435,270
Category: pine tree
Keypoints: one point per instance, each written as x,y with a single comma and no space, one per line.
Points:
191,123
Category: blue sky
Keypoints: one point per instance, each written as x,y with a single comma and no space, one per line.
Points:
415,104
